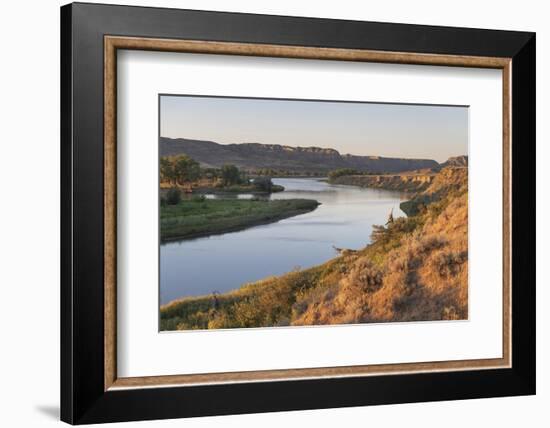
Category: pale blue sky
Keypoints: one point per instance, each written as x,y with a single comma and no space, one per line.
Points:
393,130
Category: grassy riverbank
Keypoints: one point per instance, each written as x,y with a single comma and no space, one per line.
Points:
202,217
206,189
237,188
416,268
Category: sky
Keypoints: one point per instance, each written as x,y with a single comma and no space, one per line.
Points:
390,130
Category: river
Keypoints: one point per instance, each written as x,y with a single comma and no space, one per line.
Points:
225,262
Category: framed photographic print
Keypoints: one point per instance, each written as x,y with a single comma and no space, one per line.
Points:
266,213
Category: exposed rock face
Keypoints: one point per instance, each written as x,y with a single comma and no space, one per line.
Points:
404,182
456,161
450,179
252,156
379,164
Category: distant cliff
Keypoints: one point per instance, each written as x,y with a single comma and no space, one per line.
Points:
418,181
255,156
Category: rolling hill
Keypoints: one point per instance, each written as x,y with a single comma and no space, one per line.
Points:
253,156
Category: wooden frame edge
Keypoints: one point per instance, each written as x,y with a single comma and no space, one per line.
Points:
112,43
109,198
301,52
298,374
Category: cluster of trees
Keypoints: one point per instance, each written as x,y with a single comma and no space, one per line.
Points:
183,169
231,175
179,169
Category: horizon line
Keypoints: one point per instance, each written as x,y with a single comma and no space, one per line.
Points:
310,147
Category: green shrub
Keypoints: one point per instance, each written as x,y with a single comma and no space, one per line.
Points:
173,196
263,184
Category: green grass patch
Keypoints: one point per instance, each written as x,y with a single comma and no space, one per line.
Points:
202,217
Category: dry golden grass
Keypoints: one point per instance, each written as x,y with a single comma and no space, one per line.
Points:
415,270
425,277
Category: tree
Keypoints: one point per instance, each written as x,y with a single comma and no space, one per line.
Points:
167,171
186,169
378,232
230,175
263,184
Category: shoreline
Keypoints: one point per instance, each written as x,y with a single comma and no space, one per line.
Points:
238,228
234,190
404,266
407,183
226,216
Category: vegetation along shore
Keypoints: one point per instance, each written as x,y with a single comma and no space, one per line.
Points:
186,213
199,216
414,268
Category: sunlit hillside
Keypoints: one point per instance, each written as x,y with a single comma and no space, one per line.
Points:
415,269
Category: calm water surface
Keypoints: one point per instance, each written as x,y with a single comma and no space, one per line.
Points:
225,262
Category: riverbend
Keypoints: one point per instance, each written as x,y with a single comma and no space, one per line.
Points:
224,262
